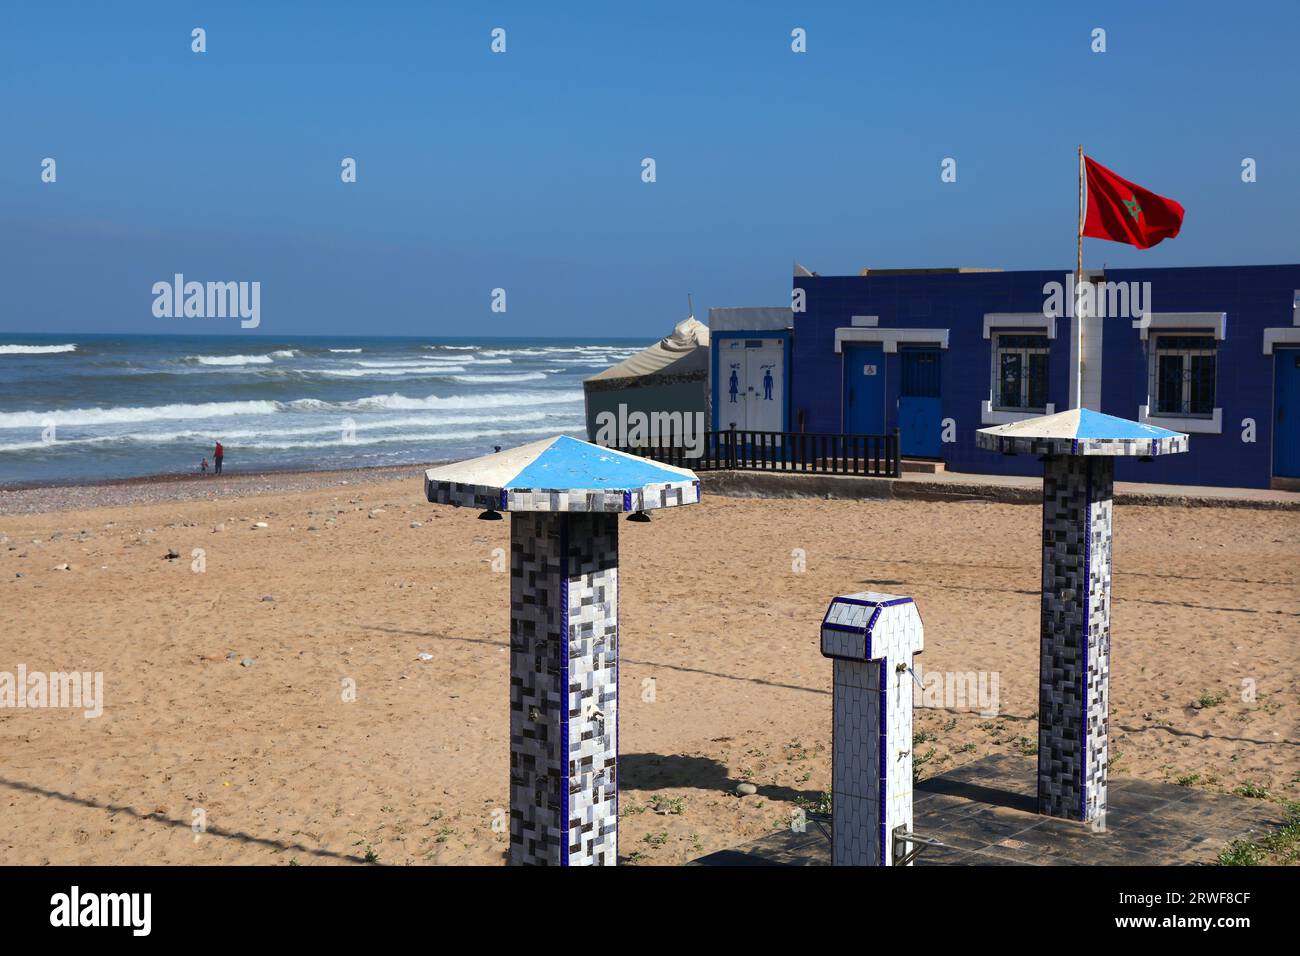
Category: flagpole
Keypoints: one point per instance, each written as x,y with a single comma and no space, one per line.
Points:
1078,285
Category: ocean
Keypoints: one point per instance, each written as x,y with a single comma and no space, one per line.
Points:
93,407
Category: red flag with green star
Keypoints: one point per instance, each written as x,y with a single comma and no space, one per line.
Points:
1122,211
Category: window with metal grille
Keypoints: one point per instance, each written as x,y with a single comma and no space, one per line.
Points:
1020,372
1182,375
920,373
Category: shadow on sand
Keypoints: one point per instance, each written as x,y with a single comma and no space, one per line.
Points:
161,820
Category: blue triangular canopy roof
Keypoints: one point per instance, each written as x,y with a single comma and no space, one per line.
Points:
562,474
1098,425
1082,431
569,463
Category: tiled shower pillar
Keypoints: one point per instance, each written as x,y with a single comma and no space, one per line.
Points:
563,688
871,639
564,498
1078,449
1074,654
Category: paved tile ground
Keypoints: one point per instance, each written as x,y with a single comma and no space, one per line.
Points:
984,815
1126,490
958,486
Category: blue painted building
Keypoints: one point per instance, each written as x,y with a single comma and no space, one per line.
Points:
939,354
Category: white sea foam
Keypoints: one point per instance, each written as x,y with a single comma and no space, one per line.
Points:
346,350
412,363
370,426
493,379
220,410
229,359
362,438
494,400
116,415
437,359
48,446
284,353
367,430
425,370
35,349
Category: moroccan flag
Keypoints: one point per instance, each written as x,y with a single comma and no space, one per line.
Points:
1121,211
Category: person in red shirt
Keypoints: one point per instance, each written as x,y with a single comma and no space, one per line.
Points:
217,454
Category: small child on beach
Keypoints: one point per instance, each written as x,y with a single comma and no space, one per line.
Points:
203,465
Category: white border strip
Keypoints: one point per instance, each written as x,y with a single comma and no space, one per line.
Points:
891,338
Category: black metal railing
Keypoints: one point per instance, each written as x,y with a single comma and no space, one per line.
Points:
822,453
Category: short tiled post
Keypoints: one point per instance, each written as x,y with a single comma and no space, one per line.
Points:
1074,656
872,639
563,688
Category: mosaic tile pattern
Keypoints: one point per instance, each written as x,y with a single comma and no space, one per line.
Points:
659,495
1074,663
563,689
1113,447
482,497
868,636
460,496
863,627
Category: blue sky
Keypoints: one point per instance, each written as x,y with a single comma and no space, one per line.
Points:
523,170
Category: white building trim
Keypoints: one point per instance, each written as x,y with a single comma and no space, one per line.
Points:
864,321
1282,335
1199,426
1019,320
991,416
1218,321
891,338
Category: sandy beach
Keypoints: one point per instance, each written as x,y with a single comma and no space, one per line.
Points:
230,670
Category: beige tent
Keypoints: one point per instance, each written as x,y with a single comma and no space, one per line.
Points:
669,376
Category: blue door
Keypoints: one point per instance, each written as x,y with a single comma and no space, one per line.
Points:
920,404
864,390
1286,416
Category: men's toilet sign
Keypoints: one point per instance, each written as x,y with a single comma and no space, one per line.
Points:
872,639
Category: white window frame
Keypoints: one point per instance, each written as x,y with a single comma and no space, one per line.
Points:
1181,323
1024,352
1204,423
1012,323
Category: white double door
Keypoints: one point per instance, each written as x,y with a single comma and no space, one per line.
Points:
751,394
